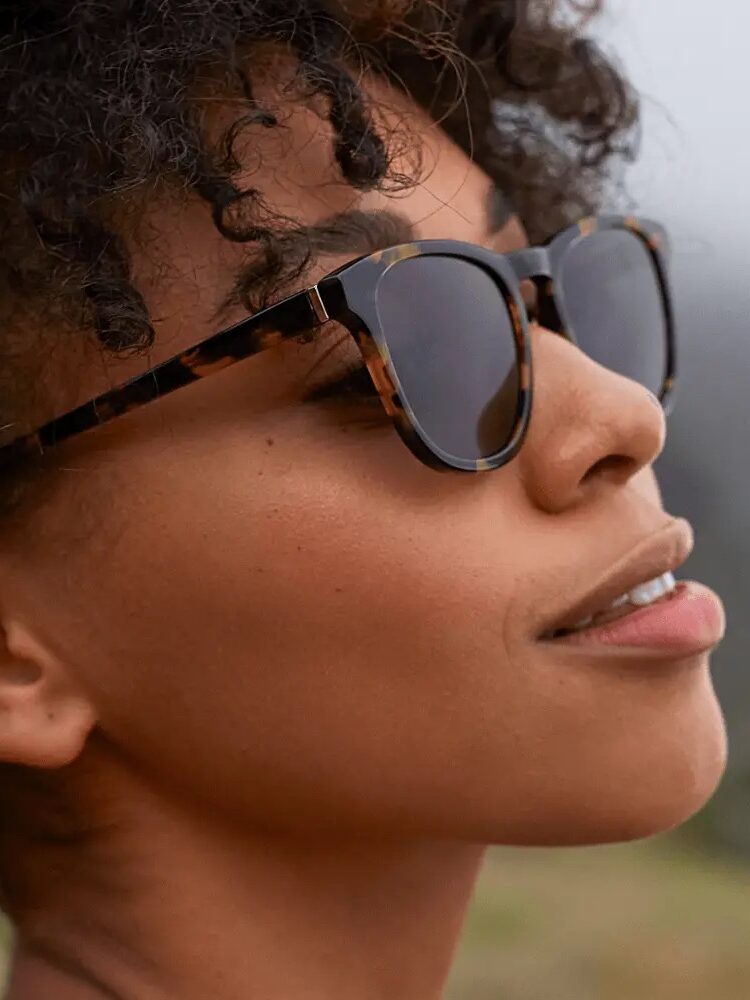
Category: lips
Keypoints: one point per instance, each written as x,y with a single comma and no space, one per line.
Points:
642,596
654,557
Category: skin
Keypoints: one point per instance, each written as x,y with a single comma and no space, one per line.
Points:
290,674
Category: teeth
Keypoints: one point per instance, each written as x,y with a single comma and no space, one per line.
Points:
644,594
584,623
649,592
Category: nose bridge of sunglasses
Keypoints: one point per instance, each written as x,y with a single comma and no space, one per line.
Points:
532,262
531,267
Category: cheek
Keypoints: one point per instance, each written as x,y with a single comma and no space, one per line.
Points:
326,629
306,613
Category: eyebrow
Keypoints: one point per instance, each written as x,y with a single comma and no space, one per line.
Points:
354,231
363,232
360,232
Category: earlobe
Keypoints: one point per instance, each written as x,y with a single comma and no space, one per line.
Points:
45,718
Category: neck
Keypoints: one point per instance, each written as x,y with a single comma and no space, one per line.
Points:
169,904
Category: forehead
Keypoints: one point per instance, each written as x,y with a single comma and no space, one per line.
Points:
184,267
294,166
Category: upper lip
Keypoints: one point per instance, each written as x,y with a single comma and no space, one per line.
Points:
655,555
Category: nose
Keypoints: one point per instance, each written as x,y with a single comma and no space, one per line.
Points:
591,429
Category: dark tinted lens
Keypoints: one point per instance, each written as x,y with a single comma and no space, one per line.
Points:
614,305
449,334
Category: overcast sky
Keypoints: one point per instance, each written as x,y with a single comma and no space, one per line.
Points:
693,71
693,74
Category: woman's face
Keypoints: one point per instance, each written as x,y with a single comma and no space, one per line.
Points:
277,612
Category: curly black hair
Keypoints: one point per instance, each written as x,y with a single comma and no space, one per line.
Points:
102,101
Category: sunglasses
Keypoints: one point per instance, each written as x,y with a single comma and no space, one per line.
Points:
443,327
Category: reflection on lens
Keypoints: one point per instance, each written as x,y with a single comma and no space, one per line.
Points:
451,340
614,305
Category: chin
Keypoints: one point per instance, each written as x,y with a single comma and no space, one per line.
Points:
650,782
678,771
667,790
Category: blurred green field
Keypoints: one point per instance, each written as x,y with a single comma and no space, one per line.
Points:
649,921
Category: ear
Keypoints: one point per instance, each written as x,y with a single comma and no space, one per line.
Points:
45,718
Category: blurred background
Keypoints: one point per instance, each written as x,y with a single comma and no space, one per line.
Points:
668,918
693,71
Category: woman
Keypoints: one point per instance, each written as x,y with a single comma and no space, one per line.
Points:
307,614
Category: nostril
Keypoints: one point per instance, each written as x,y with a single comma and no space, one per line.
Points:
615,468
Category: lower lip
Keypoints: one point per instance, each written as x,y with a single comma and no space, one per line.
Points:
690,621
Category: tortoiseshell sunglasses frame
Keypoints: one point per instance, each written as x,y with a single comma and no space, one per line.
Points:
348,295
